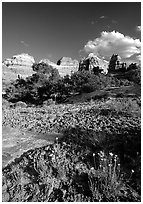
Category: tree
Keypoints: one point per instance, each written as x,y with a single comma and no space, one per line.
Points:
43,68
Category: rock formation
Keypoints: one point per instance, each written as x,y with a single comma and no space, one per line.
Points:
17,66
21,60
94,63
67,61
116,65
65,65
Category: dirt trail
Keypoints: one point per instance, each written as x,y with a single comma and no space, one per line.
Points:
15,142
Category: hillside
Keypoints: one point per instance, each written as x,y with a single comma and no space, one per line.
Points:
71,139
108,130
10,73
112,92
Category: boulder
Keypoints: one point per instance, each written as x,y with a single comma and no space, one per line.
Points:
21,104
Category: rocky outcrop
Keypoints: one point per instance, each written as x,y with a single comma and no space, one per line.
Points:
67,61
94,63
17,66
20,60
65,65
116,65
48,62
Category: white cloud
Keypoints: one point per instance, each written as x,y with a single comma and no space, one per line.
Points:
110,43
138,28
102,17
24,43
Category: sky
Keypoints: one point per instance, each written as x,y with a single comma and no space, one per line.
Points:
57,29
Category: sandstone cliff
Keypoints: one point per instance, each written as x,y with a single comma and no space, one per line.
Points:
17,66
21,60
92,61
65,65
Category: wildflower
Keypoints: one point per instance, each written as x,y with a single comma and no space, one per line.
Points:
133,171
101,154
92,168
111,154
115,158
93,154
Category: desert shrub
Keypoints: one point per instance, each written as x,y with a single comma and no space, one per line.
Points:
87,88
134,75
73,163
60,173
80,78
44,68
46,82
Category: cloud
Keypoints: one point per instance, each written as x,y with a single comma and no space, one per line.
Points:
110,43
102,17
25,44
138,28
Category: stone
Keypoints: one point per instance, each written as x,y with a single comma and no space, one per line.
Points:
67,61
48,62
20,59
19,66
65,66
93,63
116,65
16,142
21,104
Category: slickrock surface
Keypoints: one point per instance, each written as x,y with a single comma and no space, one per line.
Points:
15,142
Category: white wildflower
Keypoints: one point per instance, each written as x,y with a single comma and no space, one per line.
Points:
111,154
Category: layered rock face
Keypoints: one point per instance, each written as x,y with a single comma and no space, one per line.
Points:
17,66
21,60
92,62
67,61
65,65
48,62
